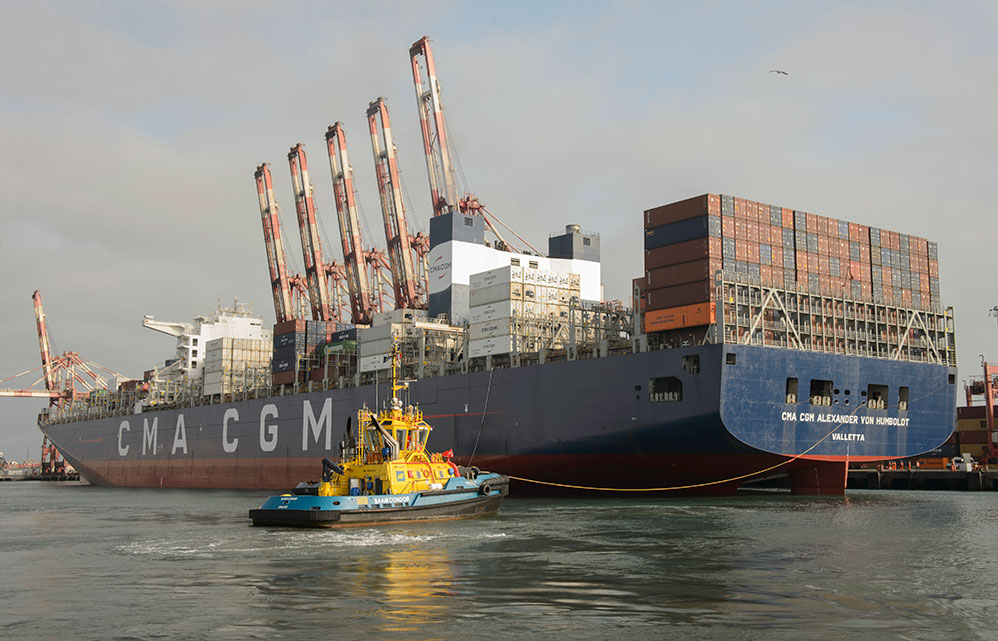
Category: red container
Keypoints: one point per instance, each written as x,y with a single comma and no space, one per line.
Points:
741,250
283,378
682,252
689,208
777,256
289,327
788,218
676,296
766,274
933,268
728,227
802,262
682,273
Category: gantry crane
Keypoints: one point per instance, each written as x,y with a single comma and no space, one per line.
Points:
60,374
407,287
436,148
354,265
311,245
280,281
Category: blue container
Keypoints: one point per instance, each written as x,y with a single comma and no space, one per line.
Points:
294,338
844,230
788,238
812,242
800,220
677,232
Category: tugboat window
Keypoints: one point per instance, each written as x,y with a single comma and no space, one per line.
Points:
876,397
729,359
667,389
903,398
791,390
691,364
821,392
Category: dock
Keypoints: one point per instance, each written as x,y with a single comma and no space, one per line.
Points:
860,479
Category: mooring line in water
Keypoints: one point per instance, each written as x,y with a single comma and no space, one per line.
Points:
485,411
695,485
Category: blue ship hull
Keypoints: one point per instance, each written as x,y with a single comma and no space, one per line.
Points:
598,422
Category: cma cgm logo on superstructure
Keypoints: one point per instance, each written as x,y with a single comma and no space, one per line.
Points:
145,440
438,268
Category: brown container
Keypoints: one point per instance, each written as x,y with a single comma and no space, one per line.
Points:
802,262
681,316
687,294
788,218
682,252
689,208
283,378
289,327
698,270
975,437
974,411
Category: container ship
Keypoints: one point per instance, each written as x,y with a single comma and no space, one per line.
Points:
760,340
751,368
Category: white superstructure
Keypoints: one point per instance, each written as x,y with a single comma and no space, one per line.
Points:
235,322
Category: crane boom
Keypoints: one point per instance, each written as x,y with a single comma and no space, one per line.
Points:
392,209
311,246
443,189
269,212
346,210
43,341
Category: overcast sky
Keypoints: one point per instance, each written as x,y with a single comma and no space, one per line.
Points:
130,132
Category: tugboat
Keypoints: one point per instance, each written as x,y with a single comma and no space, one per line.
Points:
387,475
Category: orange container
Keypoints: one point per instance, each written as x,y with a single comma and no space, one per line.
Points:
678,317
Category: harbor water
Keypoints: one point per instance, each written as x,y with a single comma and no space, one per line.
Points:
105,563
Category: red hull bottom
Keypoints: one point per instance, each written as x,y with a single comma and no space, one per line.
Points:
719,474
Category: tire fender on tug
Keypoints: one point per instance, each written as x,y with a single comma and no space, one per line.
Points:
485,489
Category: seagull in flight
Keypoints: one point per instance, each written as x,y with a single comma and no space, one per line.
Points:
779,71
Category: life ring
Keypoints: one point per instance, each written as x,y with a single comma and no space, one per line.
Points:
485,489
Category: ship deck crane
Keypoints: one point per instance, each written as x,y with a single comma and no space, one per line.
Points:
436,148
311,245
354,264
407,288
280,280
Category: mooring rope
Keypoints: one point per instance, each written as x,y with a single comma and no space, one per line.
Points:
484,412
694,485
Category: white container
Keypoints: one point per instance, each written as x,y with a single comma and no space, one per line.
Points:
400,316
490,346
498,276
494,294
374,363
381,332
492,311
371,348
490,329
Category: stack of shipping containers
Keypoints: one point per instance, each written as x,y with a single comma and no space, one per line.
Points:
688,242
235,364
301,346
519,309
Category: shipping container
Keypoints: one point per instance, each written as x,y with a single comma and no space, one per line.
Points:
491,346
697,270
678,317
676,296
682,210
498,276
496,293
679,232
